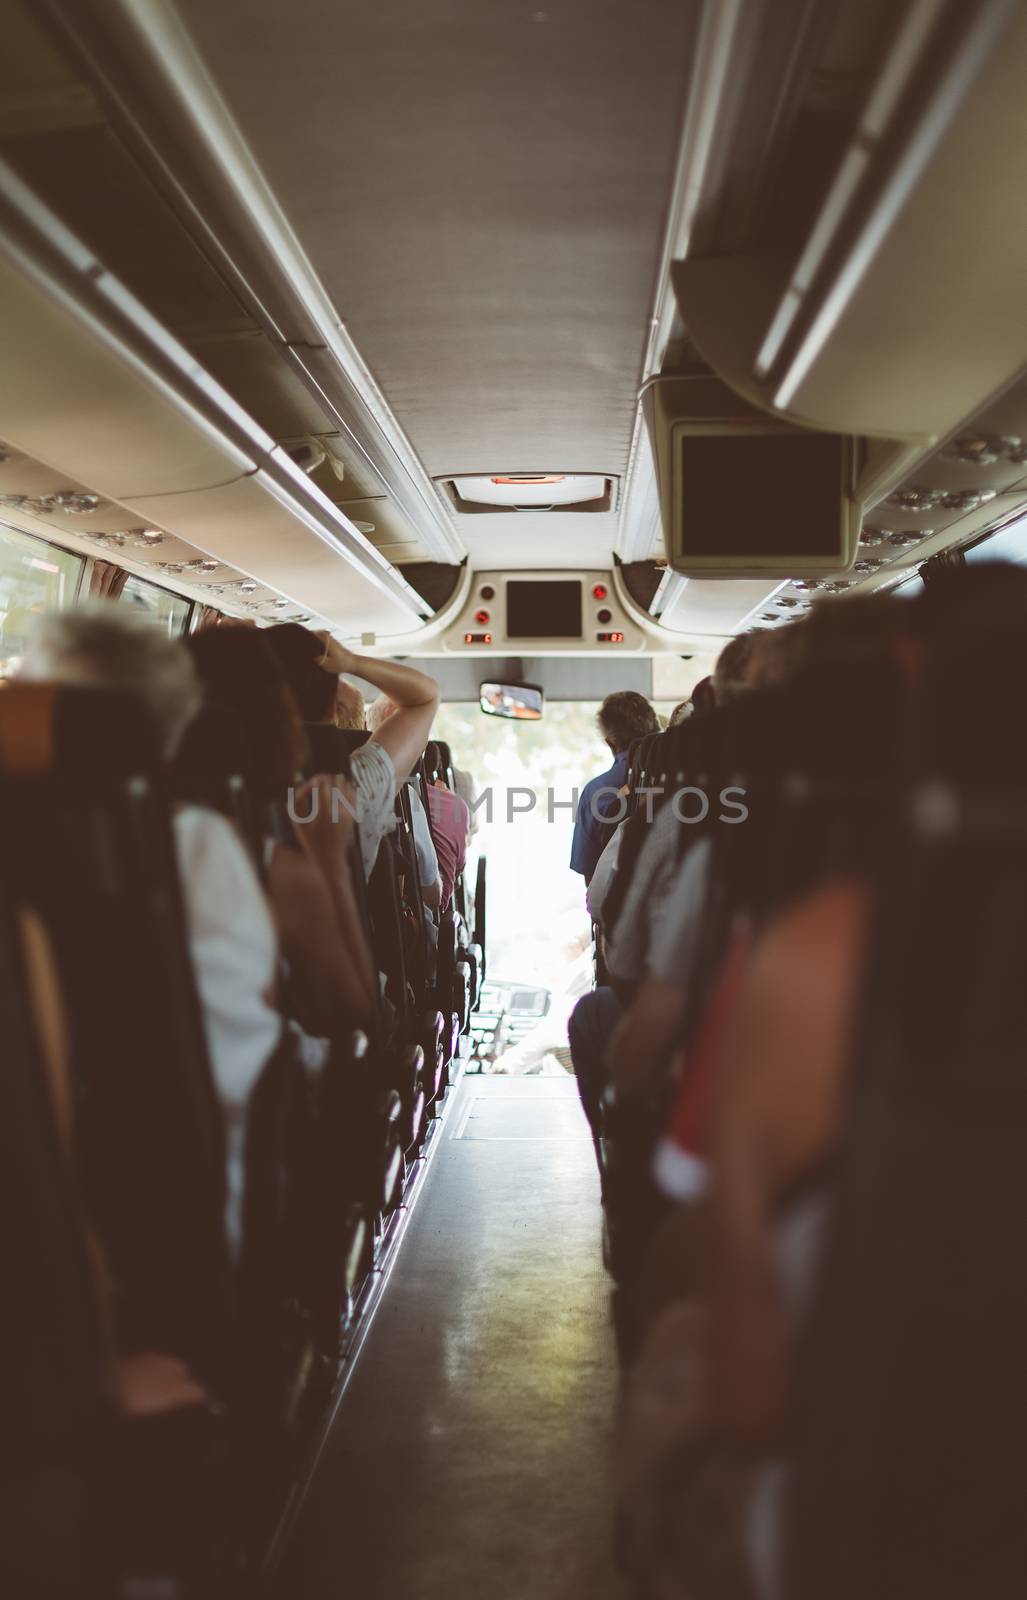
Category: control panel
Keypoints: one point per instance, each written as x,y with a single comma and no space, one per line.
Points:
543,613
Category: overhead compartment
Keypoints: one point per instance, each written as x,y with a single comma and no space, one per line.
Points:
97,389
904,310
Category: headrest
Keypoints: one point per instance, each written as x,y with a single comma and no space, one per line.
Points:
213,746
330,747
50,729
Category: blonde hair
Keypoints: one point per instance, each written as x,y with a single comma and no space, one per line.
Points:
379,711
349,707
108,646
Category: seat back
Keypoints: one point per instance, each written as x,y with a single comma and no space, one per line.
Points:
209,770
82,799
54,1466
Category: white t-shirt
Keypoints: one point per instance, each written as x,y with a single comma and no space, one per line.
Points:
234,951
424,845
601,881
374,779
659,919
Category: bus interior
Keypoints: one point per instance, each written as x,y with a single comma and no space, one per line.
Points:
513,866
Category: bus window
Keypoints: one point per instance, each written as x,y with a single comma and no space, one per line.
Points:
165,610
34,577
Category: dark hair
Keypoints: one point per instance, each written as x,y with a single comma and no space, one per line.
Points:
625,716
731,669
298,651
239,671
703,698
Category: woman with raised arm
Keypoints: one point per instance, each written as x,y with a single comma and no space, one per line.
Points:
313,663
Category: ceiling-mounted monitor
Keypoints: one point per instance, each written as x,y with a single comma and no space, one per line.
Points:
744,495
543,609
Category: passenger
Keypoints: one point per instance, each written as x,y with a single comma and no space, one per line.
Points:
350,712
313,663
623,717
681,711
703,698
231,934
467,789
622,1032
428,867
331,982
451,830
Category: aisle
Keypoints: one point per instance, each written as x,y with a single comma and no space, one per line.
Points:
470,1452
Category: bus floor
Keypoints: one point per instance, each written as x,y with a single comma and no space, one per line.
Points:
470,1452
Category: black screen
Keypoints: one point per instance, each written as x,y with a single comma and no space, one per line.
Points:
538,610
748,494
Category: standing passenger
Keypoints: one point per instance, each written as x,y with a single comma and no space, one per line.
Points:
623,718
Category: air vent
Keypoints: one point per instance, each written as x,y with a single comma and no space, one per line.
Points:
530,491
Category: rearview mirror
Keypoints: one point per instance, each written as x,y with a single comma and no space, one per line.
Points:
521,700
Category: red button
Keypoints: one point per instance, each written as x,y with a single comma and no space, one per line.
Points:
599,591
482,616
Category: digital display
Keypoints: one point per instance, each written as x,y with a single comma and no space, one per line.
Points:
536,609
761,495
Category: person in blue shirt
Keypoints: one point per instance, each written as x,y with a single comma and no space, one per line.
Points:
623,718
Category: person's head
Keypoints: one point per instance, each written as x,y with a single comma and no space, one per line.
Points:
349,707
681,711
299,651
624,717
702,696
775,654
379,712
107,646
238,670
731,673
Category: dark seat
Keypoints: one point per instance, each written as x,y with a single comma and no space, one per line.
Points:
209,770
54,1447
331,747
82,795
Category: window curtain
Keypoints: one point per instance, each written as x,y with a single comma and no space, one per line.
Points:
106,581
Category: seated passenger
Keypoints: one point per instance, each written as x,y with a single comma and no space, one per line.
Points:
350,712
231,934
313,663
450,825
623,717
424,845
331,983
623,1032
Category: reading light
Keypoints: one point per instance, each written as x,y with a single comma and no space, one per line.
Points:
967,499
983,450
71,502
916,499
